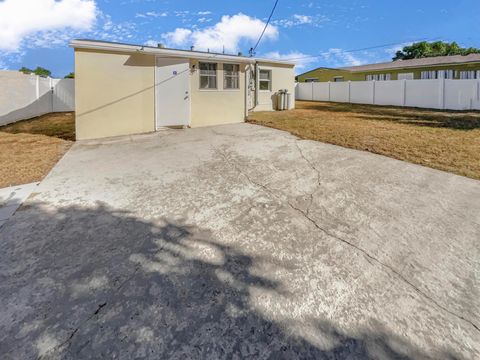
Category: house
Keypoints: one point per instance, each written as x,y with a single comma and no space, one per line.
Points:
447,67
123,89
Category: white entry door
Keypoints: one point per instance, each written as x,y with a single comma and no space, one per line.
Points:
172,92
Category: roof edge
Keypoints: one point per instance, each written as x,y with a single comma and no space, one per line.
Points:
121,47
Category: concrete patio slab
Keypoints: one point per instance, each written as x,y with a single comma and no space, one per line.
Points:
236,242
11,198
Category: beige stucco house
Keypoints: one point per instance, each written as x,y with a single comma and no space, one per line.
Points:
123,89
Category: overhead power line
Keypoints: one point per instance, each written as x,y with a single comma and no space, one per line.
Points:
252,50
356,50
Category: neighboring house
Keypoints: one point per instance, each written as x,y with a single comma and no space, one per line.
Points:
447,67
126,89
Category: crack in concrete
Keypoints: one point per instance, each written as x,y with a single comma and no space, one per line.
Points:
344,241
319,181
96,312
72,334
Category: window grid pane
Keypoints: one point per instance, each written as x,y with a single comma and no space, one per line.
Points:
208,75
265,80
231,76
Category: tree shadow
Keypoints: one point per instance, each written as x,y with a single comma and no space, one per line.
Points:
457,120
100,283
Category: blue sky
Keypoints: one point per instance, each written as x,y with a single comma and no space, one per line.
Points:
315,33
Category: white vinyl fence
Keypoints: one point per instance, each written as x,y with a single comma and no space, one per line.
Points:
26,96
433,94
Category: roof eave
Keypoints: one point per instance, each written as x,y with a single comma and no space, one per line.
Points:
90,45
115,47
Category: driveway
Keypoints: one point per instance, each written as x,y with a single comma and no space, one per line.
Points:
236,242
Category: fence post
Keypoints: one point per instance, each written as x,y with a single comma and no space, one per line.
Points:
50,85
349,91
329,97
442,94
404,92
37,87
373,92
312,90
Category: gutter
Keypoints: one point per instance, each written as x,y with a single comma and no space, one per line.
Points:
117,47
79,44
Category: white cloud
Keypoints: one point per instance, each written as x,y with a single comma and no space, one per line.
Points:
338,57
151,43
177,37
204,20
43,21
152,14
297,19
228,33
204,13
391,51
300,59
107,29
303,19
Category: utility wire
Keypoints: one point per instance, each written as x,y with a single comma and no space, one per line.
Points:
356,50
252,50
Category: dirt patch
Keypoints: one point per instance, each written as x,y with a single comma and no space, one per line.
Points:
29,149
443,140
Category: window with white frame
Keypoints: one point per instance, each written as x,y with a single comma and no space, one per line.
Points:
231,76
472,74
208,75
437,74
312,80
338,79
265,81
378,77
446,74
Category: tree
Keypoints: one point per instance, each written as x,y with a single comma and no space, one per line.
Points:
40,71
70,76
25,70
425,49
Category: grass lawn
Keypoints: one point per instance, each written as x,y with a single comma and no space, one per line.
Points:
30,148
444,140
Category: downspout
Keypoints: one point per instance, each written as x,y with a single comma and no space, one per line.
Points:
255,85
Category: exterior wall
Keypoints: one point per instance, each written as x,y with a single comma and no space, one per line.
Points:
283,77
219,106
325,75
114,94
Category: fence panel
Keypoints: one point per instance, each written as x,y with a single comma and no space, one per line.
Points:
304,91
320,91
339,92
389,93
424,93
361,92
64,95
460,94
436,94
25,96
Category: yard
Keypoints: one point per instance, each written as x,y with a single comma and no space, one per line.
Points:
443,140
30,148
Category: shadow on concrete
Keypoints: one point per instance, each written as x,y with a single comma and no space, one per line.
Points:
99,283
